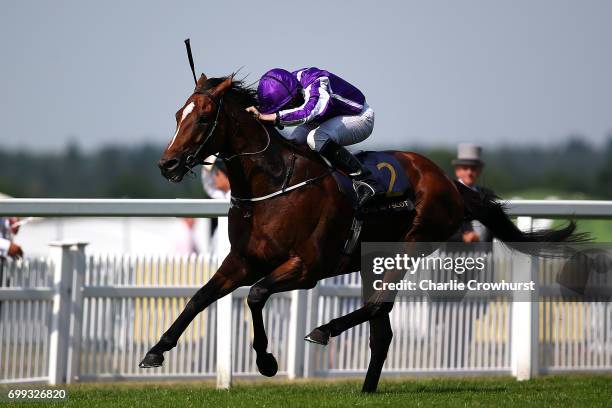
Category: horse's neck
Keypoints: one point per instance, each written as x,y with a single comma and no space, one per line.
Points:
253,175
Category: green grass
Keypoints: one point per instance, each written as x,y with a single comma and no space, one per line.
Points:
562,391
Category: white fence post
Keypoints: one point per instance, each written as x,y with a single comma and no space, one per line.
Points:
79,263
312,319
297,331
524,334
224,342
62,262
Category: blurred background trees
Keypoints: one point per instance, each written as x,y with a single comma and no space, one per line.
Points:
572,169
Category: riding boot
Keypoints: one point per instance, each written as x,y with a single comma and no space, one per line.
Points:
366,186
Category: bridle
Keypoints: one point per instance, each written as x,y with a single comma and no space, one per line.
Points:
196,158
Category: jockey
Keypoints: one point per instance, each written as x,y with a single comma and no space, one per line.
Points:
329,114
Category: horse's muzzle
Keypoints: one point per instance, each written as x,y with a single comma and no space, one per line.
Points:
171,169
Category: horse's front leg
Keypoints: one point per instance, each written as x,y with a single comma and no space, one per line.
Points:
290,275
232,274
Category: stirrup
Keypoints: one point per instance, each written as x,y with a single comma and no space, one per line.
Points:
364,191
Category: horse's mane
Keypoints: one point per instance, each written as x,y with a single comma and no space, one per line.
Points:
239,92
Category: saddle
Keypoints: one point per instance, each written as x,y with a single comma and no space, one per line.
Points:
398,197
399,193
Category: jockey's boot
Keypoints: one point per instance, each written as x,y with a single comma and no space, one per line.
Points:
366,186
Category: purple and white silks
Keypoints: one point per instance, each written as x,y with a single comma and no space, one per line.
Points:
332,108
325,96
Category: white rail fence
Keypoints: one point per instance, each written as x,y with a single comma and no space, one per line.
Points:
101,323
73,317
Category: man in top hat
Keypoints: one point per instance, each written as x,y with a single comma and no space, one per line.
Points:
468,168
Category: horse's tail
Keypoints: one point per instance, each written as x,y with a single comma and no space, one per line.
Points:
490,212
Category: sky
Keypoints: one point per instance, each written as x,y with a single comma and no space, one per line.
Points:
435,72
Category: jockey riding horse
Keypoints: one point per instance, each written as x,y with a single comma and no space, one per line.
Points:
289,220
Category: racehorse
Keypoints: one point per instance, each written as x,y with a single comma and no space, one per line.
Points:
289,220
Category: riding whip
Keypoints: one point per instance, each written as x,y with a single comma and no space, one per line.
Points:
190,56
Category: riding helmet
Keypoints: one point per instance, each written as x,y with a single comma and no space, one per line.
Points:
276,88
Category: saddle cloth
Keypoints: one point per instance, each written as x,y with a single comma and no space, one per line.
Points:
389,173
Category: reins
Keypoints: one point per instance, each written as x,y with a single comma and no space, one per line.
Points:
249,153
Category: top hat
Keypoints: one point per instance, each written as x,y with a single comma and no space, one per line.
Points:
468,154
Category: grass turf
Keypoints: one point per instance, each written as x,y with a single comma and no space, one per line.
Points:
567,391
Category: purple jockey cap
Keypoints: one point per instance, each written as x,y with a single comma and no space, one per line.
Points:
276,88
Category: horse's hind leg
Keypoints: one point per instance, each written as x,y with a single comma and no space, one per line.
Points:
435,221
231,274
290,275
380,340
376,303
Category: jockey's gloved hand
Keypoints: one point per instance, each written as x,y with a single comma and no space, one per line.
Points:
264,117
253,111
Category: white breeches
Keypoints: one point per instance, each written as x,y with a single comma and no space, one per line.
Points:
344,130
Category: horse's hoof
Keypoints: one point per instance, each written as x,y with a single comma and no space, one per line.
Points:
267,365
318,336
152,360
369,389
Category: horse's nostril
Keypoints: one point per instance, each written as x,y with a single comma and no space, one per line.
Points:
169,164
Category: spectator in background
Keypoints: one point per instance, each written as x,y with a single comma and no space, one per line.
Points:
215,181
9,227
468,168
186,242
216,185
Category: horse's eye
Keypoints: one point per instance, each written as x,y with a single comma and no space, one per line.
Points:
202,120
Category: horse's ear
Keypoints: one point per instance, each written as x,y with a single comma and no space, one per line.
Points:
201,81
223,86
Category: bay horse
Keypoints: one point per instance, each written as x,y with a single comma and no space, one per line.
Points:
285,238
